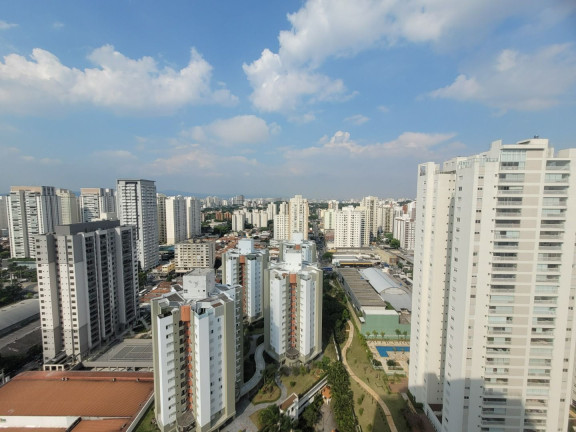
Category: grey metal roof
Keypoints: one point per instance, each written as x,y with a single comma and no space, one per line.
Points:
17,312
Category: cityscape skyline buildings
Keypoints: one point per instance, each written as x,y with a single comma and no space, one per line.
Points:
351,108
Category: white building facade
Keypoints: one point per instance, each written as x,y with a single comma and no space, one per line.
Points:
97,202
349,228
137,206
245,266
198,370
32,210
493,303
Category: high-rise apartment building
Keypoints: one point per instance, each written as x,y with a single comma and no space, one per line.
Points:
69,206
97,204
176,220
245,266
404,231
4,213
370,206
298,212
87,284
194,216
271,211
238,220
32,210
194,254
137,206
197,341
349,228
293,305
493,316
282,227
161,210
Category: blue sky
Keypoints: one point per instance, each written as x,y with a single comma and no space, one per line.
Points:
324,98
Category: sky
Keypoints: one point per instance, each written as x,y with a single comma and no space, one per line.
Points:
330,99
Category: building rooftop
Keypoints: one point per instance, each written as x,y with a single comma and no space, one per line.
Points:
388,288
111,400
361,289
130,353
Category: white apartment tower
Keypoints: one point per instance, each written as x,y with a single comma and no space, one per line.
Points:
176,220
97,203
238,220
282,227
32,210
87,284
69,206
194,216
298,211
137,206
493,335
349,228
293,305
404,231
370,206
197,344
245,266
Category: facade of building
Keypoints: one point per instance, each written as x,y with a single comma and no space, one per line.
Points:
97,202
176,220
349,228
238,220
293,306
298,211
194,216
404,231
4,213
69,206
32,210
492,343
161,209
137,206
194,254
87,284
370,206
282,227
245,266
197,341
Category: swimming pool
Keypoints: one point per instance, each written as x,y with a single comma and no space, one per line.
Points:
384,350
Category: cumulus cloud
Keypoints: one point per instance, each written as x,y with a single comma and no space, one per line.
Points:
6,25
407,144
519,81
323,29
244,129
117,82
357,119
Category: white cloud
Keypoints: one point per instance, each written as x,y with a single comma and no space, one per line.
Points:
357,119
281,88
323,29
117,82
244,129
57,25
519,81
6,25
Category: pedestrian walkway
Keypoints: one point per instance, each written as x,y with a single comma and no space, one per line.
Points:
368,389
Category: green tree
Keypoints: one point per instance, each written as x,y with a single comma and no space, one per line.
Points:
394,243
382,333
398,333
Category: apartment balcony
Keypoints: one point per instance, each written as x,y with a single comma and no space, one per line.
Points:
509,192
555,236
555,191
507,225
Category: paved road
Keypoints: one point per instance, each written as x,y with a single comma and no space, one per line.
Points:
368,389
260,366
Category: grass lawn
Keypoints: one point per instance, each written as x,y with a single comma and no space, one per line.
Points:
254,418
262,397
303,382
145,424
378,380
371,417
330,351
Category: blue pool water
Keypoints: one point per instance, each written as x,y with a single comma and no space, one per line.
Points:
383,350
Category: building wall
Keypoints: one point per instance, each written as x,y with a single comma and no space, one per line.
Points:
189,255
176,220
137,206
509,348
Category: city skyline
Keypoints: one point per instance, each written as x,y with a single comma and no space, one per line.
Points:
227,99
